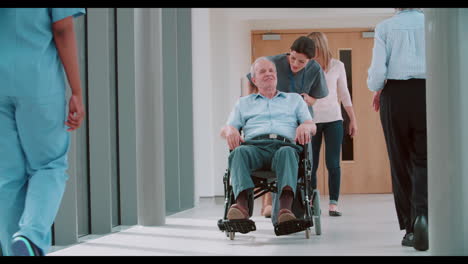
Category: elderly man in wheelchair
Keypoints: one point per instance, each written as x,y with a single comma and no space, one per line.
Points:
272,122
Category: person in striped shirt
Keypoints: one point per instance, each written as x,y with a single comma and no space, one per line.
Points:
397,76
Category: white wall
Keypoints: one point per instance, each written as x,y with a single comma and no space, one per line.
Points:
351,22
222,56
221,61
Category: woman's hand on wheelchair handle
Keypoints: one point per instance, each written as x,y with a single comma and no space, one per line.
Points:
313,130
308,99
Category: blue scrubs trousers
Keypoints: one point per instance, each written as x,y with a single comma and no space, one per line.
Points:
33,163
275,155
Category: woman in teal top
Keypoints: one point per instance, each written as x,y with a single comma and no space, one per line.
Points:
297,72
37,49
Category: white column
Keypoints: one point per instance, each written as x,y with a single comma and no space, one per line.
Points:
221,73
203,130
149,113
447,115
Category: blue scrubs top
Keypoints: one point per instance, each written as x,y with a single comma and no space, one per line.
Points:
310,79
29,62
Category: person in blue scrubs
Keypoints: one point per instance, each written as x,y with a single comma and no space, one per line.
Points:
37,50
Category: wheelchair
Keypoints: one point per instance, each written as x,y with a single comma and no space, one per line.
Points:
306,203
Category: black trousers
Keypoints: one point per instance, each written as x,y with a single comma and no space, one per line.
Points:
403,117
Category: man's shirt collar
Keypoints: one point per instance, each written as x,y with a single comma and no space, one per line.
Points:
278,94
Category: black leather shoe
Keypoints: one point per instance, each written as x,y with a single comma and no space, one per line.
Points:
334,213
421,236
408,240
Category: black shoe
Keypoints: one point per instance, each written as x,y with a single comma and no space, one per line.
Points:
421,236
334,213
408,240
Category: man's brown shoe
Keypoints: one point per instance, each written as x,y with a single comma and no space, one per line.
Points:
285,215
237,212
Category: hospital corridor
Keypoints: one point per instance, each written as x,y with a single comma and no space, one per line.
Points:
146,166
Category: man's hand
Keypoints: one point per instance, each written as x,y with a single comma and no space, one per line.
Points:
308,99
376,101
232,136
304,132
75,112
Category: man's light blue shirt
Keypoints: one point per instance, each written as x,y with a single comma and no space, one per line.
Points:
399,49
258,115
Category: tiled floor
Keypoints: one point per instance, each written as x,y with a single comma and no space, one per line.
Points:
368,227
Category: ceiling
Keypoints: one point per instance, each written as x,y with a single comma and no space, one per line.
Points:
296,18
252,14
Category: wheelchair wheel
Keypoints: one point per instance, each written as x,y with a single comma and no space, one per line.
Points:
307,233
232,235
316,212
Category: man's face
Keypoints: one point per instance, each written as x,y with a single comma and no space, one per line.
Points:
265,76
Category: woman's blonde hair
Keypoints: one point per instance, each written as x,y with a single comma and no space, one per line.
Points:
323,54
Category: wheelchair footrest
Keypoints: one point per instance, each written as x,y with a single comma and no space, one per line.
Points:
242,226
292,226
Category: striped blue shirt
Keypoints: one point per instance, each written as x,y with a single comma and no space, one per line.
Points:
258,115
399,49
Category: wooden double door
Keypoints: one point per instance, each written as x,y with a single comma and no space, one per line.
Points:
364,164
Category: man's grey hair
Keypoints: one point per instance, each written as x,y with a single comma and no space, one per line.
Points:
252,67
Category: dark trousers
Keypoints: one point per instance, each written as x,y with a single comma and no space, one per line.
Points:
332,132
403,117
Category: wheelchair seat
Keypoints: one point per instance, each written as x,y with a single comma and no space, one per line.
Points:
264,174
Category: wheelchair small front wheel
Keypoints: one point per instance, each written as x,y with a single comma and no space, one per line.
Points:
316,203
318,226
307,233
232,235
316,212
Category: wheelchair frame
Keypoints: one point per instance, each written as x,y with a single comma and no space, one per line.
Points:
308,213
